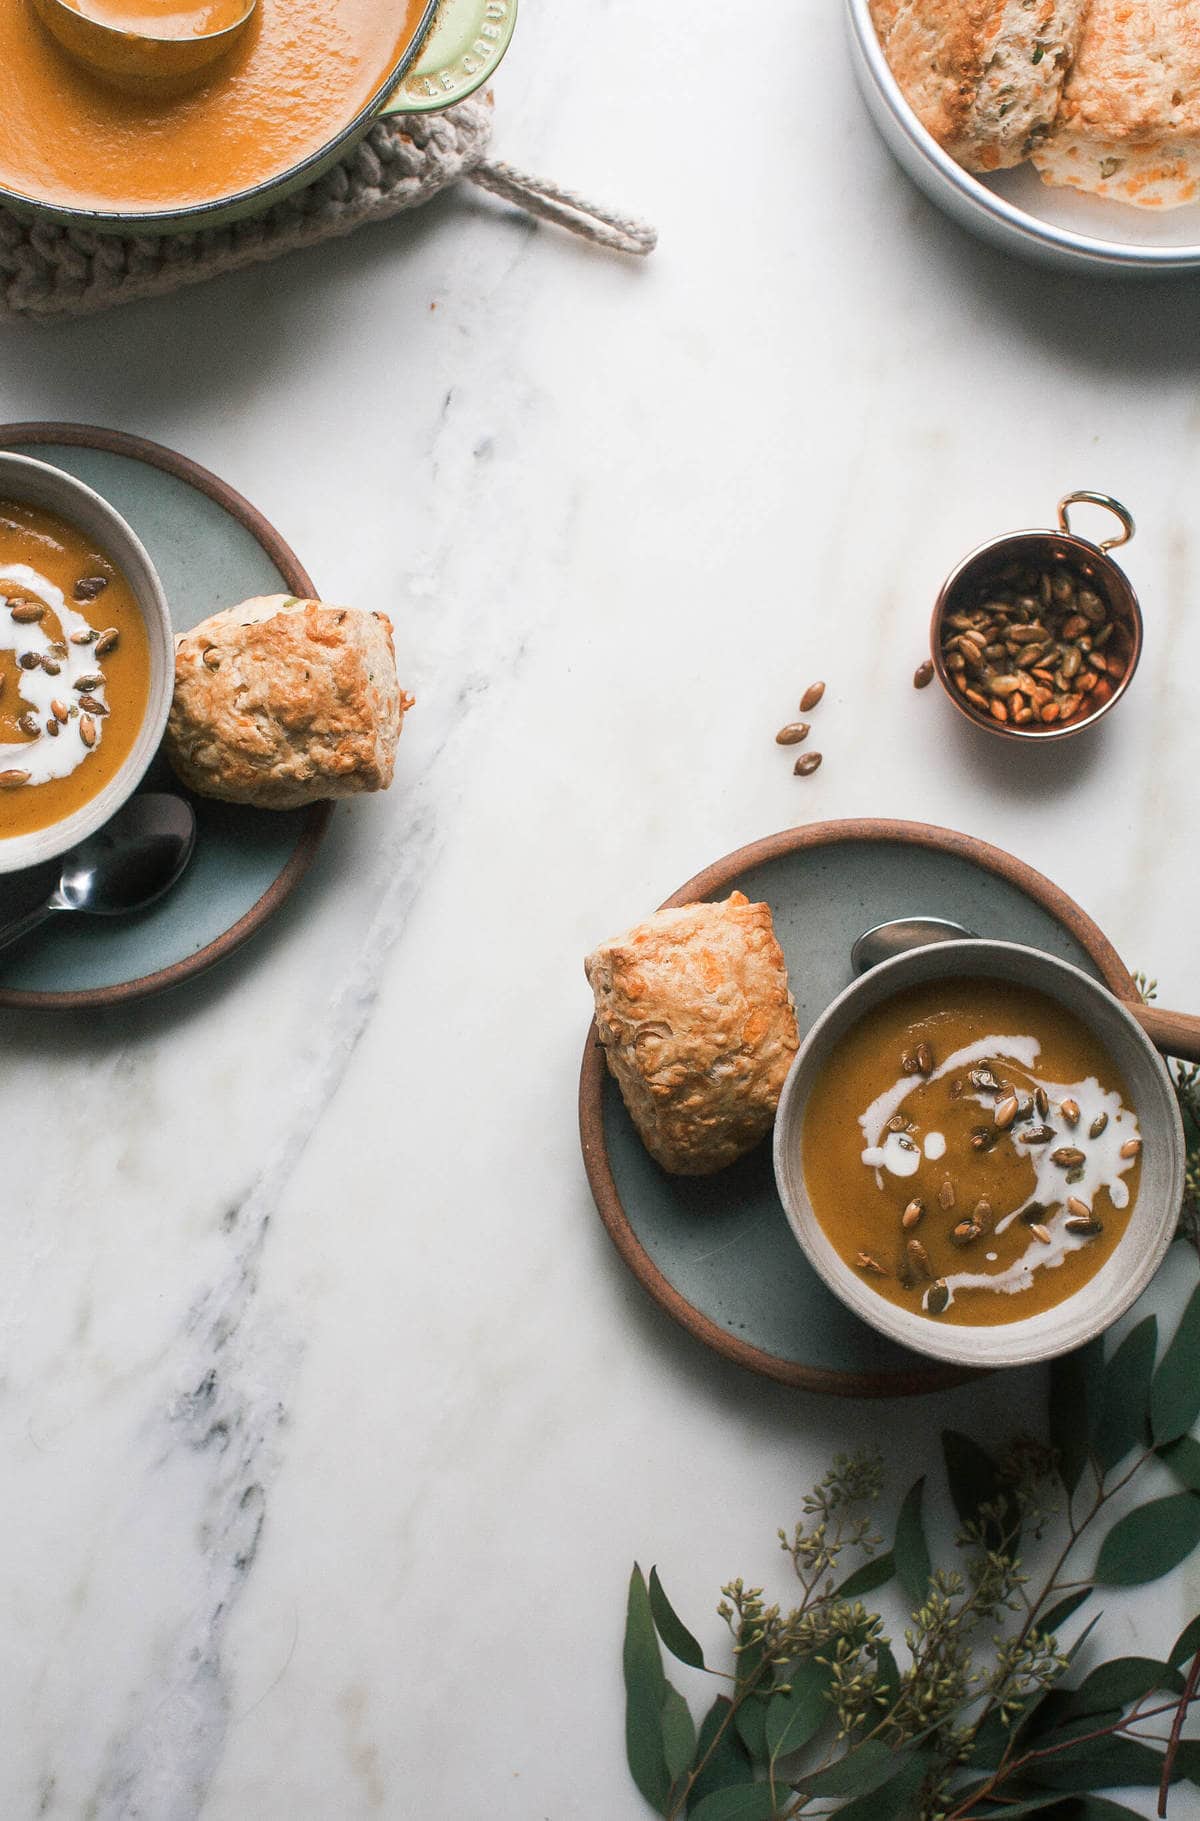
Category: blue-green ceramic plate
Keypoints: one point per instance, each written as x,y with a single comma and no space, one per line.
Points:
717,1252
212,550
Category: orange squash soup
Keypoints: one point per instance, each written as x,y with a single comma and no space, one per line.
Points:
74,669
971,1152
161,18
299,74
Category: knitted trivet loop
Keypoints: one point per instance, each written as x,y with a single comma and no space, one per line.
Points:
48,271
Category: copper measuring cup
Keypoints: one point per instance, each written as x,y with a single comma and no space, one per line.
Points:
1014,564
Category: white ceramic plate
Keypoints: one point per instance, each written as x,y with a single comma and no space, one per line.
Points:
1015,210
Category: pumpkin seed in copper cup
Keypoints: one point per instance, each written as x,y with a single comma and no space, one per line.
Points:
1037,634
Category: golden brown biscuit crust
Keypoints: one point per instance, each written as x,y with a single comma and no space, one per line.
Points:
281,702
699,1029
983,76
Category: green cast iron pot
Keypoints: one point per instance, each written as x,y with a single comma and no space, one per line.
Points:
454,50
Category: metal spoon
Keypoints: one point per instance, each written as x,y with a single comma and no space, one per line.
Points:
1174,1033
133,53
887,939
123,867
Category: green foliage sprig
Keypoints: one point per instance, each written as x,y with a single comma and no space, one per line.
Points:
976,1715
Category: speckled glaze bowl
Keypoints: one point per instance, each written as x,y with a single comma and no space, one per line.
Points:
455,48
1152,1221
35,483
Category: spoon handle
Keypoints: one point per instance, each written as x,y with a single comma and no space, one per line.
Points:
16,927
1174,1033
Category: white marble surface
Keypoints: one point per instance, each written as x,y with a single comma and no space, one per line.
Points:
330,1421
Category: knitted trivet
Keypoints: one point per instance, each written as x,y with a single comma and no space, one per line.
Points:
48,271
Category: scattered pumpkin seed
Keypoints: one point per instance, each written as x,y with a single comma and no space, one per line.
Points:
914,1212
923,675
804,767
1040,1232
937,1298
1131,1147
812,695
1070,1111
1098,1124
1006,1112
792,734
918,1258
1067,1157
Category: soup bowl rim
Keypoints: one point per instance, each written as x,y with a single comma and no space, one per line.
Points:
1112,1289
26,481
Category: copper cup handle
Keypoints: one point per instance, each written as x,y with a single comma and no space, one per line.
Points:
1085,498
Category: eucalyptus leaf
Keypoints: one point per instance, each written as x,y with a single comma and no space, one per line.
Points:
1149,1541
894,1800
1110,1763
888,1671
876,1572
645,1695
751,1722
1121,1682
1186,1644
1052,1621
913,1566
1125,1394
678,1735
860,1771
671,1629
1074,1392
745,1802
974,1481
793,1719
719,1748
1183,1458
1175,1393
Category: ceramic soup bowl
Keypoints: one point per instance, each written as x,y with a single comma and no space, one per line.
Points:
1152,1221
32,483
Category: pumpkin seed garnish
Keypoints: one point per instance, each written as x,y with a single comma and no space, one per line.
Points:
93,704
897,1123
983,1137
1098,1124
918,1257
984,1080
1039,1134
1085,1227
937,1297
1067,1157
1070,1111
87,636
1041,1233
946,1192
966,1232
1078,1208
865,1262
28,723
924,1059
1131,1147
87,730
1006,1112
89,586
9,780
923,675
27,613
1041,1101
914,1212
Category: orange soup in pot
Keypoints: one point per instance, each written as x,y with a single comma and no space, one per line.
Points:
74,669
303,70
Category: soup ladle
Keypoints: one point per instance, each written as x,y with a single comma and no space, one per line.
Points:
1174,1033
143,45
125,866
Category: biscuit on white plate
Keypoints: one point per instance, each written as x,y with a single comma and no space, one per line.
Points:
984,77
281,702
698,1027
1128,127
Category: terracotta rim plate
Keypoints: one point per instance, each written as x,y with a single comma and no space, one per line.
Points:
716,1252
207,543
